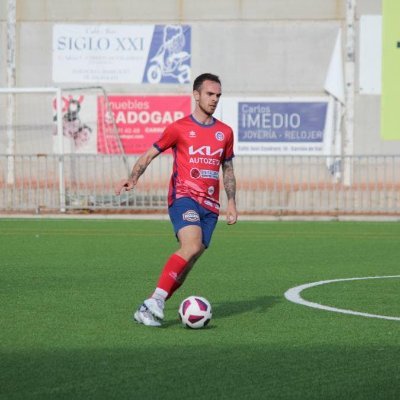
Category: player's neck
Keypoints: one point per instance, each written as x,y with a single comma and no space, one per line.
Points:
202,118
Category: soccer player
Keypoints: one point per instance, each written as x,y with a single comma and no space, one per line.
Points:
201,146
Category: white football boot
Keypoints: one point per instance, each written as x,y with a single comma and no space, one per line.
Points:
155,306
144,316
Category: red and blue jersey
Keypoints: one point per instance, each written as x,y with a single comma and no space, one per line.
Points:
199,151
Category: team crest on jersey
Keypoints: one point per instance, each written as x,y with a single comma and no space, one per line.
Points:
211,190
191,216
219,136
192,134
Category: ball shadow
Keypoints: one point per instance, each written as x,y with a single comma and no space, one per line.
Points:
227,309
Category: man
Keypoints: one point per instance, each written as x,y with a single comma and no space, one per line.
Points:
201,144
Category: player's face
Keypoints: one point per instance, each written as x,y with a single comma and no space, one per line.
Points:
208,96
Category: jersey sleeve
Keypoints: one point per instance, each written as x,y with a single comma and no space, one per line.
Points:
168,139
229,154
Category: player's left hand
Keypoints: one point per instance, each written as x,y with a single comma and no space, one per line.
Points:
231,214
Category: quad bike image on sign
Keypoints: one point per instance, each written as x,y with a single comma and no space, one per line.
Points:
171,60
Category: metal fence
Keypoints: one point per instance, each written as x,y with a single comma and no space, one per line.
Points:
279,185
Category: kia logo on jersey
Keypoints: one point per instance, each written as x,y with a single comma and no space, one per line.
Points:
205,151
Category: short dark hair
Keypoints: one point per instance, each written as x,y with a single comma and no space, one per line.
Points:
205,77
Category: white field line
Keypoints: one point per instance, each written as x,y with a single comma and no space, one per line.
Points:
293,295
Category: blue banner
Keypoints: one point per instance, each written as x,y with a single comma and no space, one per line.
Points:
284,122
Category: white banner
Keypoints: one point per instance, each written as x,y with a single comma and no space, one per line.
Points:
334,82
121,53
370,73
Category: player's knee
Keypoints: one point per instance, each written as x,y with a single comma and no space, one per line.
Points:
192,250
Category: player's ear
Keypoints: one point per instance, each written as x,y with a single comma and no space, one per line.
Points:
196,95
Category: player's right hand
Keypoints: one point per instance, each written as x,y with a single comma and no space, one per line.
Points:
124,185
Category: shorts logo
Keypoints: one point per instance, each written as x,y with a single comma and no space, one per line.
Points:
219,136
191,216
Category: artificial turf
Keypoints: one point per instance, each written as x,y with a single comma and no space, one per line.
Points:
68,289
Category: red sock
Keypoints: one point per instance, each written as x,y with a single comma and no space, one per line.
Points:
169,276
174,288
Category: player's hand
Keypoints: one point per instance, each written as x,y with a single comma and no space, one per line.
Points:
124,186
231,219
231,214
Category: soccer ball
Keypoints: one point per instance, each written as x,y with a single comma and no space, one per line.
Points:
195,312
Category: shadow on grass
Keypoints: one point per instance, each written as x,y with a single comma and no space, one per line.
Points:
227,309
259,304
198,371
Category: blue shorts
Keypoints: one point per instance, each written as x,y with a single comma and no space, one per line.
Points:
185,211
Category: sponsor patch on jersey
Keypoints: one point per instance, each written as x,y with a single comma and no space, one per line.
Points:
219,136
207,173
195,173
204,173
191,216
211,204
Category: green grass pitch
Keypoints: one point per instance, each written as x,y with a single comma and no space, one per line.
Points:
68,289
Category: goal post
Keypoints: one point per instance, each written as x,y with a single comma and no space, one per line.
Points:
52,143
27,112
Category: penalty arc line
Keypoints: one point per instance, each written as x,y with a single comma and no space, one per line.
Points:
293,295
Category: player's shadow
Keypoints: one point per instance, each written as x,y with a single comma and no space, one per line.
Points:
259,305
229,308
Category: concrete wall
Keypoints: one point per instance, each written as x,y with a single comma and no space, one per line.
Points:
175,10
258,47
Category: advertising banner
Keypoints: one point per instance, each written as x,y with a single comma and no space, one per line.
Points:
121,53
279,126
139,121
390,128
370,65
79,124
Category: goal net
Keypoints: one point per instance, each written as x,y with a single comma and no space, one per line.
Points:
54,141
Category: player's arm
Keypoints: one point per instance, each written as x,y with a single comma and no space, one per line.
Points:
230,189
138,169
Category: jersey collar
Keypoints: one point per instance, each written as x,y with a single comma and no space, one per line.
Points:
200,124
